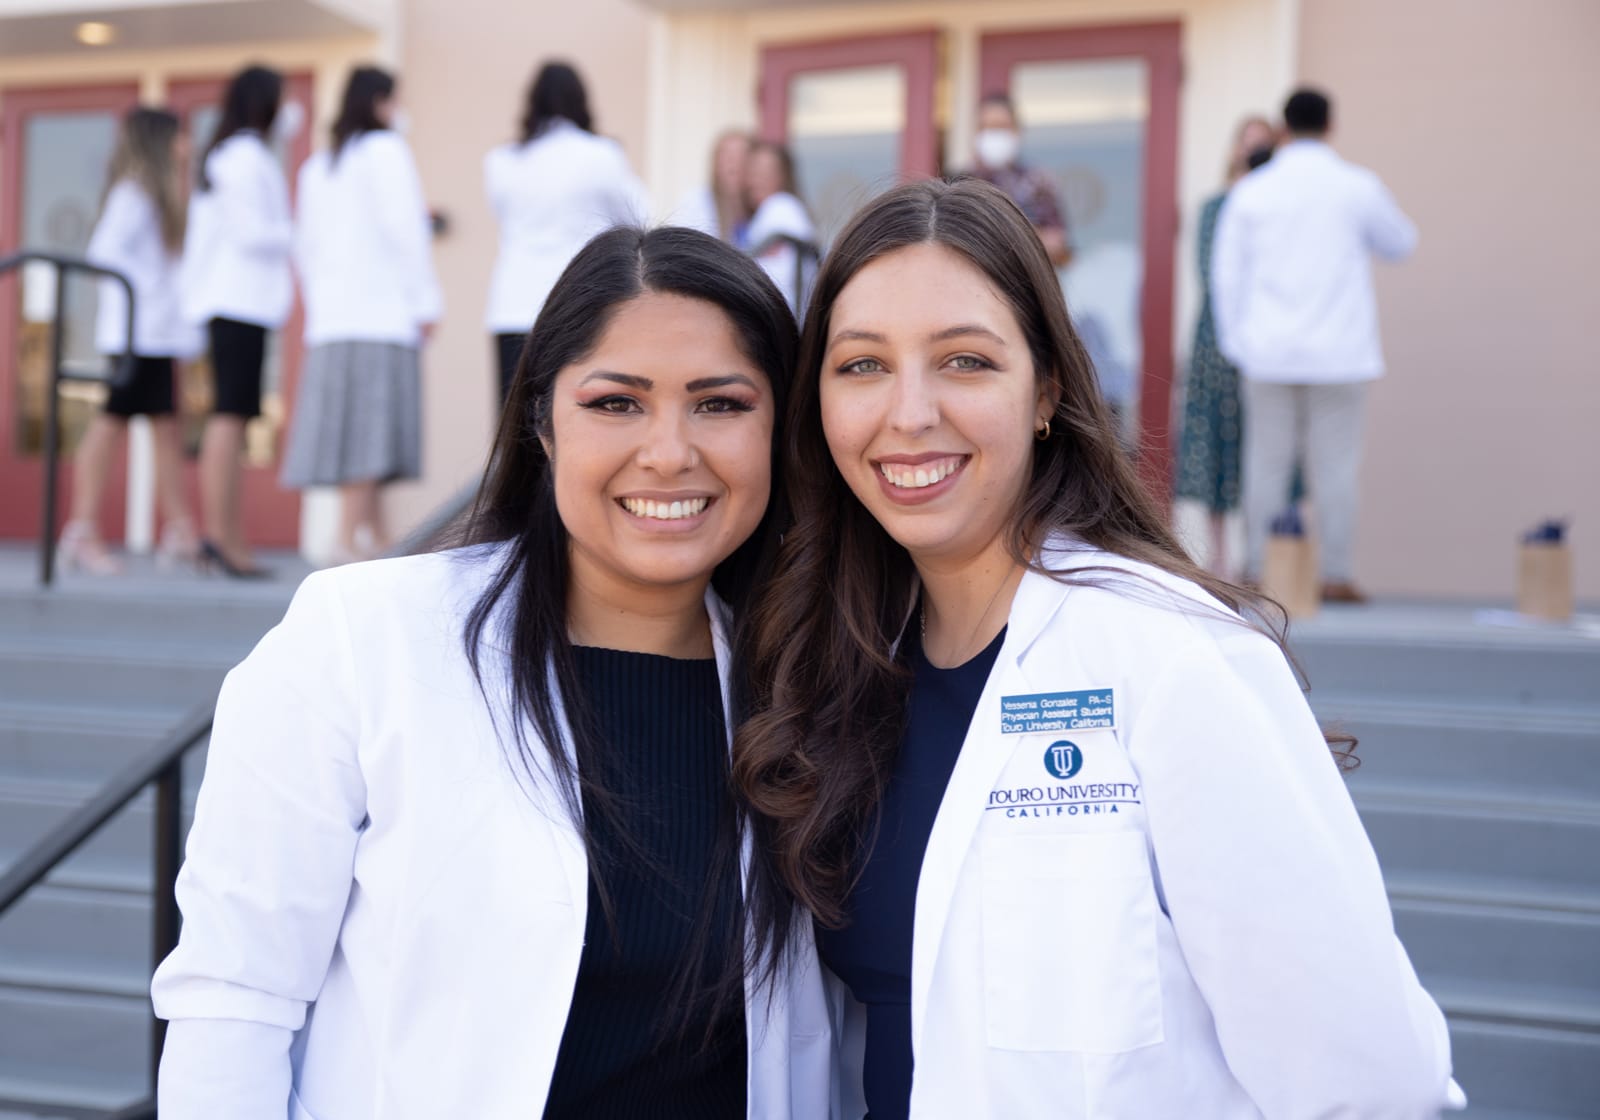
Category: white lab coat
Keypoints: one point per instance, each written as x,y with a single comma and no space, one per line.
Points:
362,244
783,213
1291,269
1184,917
380,919
236,253
551,196
127,238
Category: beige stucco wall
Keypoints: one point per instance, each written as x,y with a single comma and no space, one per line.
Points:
465,67
1481,117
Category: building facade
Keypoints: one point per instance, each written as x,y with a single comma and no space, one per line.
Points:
1477,113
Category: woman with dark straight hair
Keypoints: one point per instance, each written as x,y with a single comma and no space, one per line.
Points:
466,844
371,299
236,280
1075,843
552,190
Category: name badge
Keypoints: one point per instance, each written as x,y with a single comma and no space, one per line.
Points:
1084,710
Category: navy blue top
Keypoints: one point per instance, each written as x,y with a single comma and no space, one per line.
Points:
872,954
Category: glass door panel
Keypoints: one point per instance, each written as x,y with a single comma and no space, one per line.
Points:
844,132
1083,121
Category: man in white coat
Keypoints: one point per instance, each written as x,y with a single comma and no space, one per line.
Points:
1291,283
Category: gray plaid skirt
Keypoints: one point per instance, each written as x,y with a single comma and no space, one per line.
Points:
358,417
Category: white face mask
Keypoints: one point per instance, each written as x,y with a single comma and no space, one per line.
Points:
287,124
998,147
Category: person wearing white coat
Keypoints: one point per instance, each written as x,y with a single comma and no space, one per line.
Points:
366,270
464,845
551,191
778,212
139,234
235,279
1074,841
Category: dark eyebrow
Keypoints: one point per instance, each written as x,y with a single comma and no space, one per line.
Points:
632,381
965,329
702,383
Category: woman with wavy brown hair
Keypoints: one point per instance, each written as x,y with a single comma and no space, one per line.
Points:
1073,839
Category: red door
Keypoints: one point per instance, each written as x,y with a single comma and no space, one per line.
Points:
272,514
856,114
55,146
1099,110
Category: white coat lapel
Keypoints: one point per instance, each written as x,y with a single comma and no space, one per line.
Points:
984,755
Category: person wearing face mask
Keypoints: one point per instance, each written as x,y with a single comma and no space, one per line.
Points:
366,268
998,147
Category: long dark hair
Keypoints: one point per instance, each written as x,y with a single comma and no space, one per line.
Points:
830,693
145,156
517,506
250,105
556,92
358,112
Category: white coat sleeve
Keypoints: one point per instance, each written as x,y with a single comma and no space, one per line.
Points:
1229,278
306,242
1276,898
252,200
402,213
1390,234
127,212
268,871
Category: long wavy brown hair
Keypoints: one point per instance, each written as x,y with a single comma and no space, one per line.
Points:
830,692
146,156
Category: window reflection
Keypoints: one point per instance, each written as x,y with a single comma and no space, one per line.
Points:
845,129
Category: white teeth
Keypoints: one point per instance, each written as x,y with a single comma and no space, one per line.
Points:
665,511
915,478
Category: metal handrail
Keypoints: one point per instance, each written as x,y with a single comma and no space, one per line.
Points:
804,251
120,373
162,765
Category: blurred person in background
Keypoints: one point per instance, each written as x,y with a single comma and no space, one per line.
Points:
720,208
551,190
140,234
998,148
371,298
1207,492
777,211
236,280
1291,292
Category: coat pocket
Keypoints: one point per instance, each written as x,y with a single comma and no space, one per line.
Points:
1069,943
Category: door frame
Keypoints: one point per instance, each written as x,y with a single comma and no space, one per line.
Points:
1160,45
22,476
917,51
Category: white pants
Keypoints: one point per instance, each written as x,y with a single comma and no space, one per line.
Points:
1321,426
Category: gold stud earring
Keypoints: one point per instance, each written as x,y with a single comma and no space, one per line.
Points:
1042,434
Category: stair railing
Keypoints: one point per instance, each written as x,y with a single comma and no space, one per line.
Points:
120,373
807,256
162,766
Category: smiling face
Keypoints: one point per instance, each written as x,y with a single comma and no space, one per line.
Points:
661,445
930,401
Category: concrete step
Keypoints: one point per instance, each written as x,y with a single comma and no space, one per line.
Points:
230,613
1511,670
1462,942
118,856
1535,844
84,743
95,938
68,1047
1510,1069
1491,752
66,673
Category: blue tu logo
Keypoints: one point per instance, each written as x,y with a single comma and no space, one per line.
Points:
1063,759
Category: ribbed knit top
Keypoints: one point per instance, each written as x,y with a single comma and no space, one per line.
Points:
662,723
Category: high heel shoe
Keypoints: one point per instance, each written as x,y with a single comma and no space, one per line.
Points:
212,557
81,549
180,545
